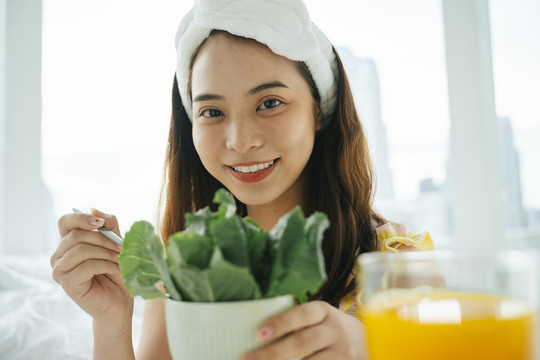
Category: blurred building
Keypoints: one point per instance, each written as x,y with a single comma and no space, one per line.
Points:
364,82
431,209
514,214
533,217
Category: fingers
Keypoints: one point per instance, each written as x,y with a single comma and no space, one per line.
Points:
77,227
315,331
294,319
335,353
349,340
85,264
353,349
307,341
159,285
77,236
77,282
82,252
303,336
82,221
81,246
111,223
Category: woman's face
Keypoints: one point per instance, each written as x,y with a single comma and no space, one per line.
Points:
254,120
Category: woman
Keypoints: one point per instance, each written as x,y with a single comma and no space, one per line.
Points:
261,106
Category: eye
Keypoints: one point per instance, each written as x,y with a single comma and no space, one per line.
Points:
210,113
269,104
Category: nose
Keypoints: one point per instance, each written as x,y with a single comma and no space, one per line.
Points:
243,135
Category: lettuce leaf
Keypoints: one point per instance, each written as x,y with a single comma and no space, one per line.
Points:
222,257
299,265
142,262
258,252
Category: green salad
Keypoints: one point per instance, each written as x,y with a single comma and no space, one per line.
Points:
223,257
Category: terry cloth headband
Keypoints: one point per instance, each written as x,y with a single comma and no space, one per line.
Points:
282,25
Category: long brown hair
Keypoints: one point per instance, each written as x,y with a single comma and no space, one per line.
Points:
340,184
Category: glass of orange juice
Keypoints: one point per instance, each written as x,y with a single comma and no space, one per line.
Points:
450,304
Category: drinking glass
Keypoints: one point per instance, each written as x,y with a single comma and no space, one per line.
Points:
474,304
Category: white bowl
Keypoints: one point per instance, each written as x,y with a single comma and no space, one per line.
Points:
220,330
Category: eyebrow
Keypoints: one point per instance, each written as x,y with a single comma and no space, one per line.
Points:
270,85
255,90
206,97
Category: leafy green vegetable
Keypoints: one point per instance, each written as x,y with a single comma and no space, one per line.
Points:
298,268
143,263
231,282
190,249
222,257
229,234
259,255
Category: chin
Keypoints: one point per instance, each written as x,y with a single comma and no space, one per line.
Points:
253,197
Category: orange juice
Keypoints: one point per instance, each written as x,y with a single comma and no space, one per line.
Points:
440,325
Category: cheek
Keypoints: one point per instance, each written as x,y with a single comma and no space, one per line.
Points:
204,142
298,134
197,139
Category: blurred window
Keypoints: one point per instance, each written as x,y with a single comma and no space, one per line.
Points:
516,67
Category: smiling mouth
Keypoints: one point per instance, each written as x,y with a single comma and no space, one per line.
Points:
253,168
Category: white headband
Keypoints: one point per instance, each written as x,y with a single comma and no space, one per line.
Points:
282,25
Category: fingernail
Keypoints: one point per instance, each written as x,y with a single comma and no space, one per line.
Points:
266,332
95,221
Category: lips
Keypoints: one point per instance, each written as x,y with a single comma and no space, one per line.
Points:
253,168
253,172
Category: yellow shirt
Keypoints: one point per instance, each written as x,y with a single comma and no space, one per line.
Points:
389,238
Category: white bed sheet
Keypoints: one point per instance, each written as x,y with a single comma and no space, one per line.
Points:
38,320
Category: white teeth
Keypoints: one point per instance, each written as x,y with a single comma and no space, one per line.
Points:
253,168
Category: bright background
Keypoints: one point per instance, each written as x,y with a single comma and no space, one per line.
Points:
107,70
